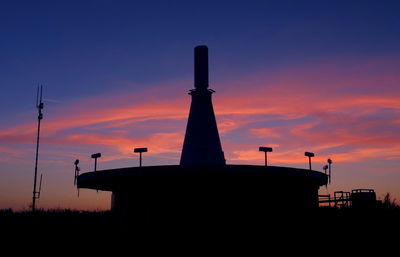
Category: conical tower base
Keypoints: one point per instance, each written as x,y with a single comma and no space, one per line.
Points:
202,145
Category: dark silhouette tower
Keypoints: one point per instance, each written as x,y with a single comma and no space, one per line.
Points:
203,185
202,145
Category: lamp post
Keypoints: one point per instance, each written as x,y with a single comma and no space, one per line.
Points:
325,168
140,151
76,170
95,156
265,150
309,155
329,163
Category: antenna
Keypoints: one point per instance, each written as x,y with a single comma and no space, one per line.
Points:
39,106
40,186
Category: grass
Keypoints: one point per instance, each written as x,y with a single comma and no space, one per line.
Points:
106,223
56,221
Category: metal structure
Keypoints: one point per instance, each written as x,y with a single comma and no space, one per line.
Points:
357,198
95,156
309,155
363,198
203,184
179,189
325,168
140,151
329,174
265,150
39,106
202,145
77,169
340,199
76,175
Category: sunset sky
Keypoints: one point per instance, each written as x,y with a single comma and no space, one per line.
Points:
320,76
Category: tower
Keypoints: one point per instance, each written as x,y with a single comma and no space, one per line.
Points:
203,184
202,145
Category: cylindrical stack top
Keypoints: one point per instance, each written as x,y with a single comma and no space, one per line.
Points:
201,67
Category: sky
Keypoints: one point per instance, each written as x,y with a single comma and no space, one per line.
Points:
320,76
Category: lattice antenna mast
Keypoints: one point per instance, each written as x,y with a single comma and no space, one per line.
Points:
39,106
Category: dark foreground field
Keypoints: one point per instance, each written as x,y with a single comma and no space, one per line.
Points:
55,221
327,220
321,230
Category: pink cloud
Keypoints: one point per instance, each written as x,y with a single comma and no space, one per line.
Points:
324,105
265,132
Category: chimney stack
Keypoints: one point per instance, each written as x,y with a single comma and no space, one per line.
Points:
201,67
202,145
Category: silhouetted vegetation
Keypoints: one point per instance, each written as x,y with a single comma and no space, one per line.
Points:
57,222
389,203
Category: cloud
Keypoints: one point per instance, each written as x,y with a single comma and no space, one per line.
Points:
348,111
265,132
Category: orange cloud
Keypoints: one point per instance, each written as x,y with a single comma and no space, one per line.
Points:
315,108
265,132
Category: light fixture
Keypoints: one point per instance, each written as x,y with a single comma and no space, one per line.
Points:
265,150
140,151
95,156
309,155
